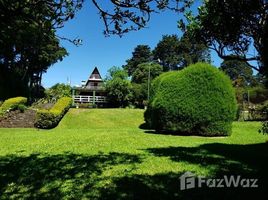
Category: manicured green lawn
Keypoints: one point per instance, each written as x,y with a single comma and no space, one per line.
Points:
103,154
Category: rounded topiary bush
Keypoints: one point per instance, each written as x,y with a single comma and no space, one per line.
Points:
199,99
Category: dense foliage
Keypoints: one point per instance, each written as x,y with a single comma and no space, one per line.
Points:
239,72
176,53
29,44
234,29
47,119
141,54
141,80
118,87
197,100
57,91
12,103
146,71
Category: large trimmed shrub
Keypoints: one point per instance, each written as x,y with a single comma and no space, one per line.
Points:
199,99
47,119
12,103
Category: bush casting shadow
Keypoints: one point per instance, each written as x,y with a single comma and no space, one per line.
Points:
149,130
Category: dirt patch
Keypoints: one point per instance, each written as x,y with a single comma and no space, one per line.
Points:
17,119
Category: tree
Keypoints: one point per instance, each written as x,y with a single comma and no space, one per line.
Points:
177,52
141,54
139,94
120,17
192,51
118,87
28,41
167,50
232,28
58,91
239,72
141,74
140,80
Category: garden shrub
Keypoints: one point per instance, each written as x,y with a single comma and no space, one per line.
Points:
199,100
12,104
47,119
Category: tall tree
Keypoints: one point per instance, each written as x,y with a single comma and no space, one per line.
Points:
239,72
175,52
192,51
141,54
141,81
28,41
233,28
146,71
167,50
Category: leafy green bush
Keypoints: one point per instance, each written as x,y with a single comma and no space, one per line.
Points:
12,103
58,91
47,119
21,108
197,100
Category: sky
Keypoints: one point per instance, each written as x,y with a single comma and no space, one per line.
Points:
105,52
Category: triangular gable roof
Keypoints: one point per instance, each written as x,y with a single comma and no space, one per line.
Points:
95,76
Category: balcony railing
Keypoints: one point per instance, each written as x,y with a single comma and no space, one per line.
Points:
89,99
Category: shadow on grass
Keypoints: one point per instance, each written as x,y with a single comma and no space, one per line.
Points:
72,176
148,130
246,161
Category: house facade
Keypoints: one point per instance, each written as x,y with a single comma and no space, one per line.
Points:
91,91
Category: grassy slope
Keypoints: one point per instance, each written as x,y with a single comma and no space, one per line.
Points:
102,154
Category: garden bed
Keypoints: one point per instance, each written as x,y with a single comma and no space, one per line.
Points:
17,119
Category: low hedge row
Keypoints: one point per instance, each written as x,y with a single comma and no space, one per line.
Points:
12,103
47,119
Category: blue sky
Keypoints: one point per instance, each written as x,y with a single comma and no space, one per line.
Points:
104,52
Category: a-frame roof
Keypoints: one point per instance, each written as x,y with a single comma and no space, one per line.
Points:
95,76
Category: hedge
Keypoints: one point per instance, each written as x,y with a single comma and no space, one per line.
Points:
198,100
12,103
47,119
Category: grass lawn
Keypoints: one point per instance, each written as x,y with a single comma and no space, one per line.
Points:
103,154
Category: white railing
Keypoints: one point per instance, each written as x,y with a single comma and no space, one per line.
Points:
89,99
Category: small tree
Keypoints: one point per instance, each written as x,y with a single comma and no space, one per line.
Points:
118,87
57,91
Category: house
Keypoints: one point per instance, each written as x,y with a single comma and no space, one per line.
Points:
92,91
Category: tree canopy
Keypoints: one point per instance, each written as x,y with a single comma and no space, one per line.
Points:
118,87
239,72
141,54
120,17
28,41
141,74
232,28
167,50
175,52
